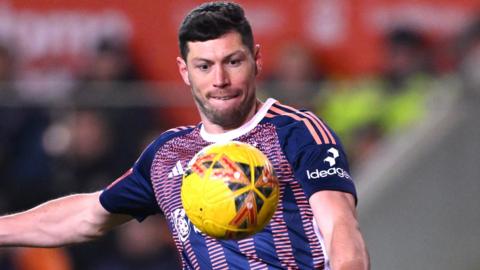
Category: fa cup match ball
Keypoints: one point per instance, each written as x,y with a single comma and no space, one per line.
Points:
230,190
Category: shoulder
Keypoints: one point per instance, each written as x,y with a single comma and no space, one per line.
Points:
173,133
162,139
292,123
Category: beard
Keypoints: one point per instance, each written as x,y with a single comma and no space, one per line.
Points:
227,118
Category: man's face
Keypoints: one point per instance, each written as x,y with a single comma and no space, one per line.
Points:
221,73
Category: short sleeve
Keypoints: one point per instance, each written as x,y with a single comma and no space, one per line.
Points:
132,193
323,167
317,164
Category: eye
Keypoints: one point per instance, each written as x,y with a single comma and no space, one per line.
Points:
203,67
235,62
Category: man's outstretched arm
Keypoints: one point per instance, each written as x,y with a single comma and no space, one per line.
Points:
67,220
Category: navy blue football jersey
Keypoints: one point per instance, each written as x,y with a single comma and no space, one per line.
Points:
307,157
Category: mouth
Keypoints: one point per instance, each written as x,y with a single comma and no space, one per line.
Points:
224,96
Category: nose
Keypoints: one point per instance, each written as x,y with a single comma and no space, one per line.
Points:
222,79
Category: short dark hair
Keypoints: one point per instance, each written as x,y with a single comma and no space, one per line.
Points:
212,20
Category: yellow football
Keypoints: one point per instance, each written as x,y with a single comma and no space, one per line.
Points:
229,190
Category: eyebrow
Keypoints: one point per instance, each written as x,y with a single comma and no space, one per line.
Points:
229,56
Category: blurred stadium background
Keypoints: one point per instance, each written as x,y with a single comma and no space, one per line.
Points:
86,85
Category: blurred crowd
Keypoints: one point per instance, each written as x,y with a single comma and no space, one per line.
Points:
365,110
89,140
77,138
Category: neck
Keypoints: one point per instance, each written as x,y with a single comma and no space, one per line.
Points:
218,129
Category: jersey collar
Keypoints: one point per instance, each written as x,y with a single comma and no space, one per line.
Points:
245,128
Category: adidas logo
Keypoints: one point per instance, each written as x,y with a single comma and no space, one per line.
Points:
176,170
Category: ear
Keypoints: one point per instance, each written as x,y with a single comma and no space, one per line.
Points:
182,68
258,59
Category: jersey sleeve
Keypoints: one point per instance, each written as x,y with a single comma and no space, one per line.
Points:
132,193
317,166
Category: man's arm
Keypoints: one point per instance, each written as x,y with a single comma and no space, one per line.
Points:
335,215
67,220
